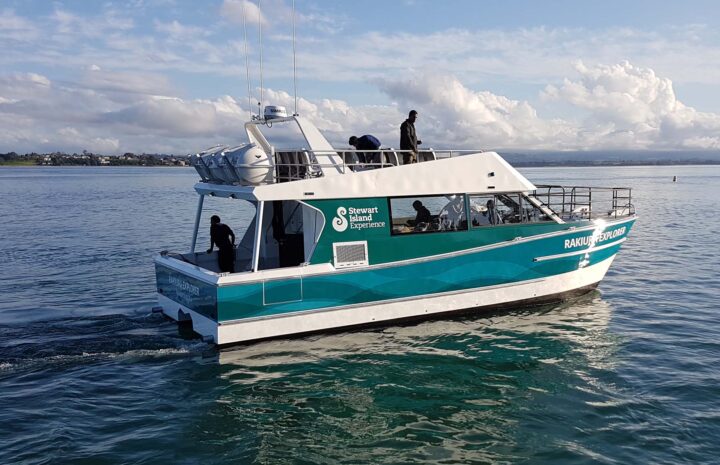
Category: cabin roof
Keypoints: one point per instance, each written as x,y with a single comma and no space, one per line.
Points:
484,172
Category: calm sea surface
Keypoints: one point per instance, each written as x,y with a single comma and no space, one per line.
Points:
629,374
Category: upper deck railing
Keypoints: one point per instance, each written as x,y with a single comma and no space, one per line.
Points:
583,202
250,165
297,164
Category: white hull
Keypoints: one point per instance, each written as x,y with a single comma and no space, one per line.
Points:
326,319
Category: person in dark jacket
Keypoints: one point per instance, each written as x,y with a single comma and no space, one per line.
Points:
408,139
366,142
224,237
423,214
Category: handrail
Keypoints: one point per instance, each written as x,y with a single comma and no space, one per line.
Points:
293,164
351,161
585,202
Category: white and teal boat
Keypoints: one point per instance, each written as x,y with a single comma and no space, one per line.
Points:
336,244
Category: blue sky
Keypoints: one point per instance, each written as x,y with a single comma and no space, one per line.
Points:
169,75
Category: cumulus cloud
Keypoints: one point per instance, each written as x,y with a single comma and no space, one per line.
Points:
110,116
121,83
632,107
174,117
122,114
338,120
623,107
458,115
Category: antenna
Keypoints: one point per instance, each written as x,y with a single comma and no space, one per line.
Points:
260,103
247,65
295,113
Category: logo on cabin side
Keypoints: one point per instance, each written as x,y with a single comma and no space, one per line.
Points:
359,218
340,223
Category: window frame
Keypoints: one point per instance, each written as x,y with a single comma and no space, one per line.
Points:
419,197
522,201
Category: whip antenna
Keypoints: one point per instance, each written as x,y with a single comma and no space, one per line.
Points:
247,65
294,67
260,103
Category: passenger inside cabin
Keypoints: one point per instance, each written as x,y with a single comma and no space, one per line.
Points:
224,237
366,142
423,216
492,214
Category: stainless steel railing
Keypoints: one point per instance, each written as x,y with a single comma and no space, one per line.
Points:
584,202
296,164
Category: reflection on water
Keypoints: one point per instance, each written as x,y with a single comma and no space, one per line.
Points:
443,390
576,321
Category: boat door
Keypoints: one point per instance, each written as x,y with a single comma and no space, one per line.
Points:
290,231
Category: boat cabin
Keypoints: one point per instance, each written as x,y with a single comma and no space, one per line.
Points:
317,205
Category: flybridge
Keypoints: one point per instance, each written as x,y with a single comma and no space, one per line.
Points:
263,169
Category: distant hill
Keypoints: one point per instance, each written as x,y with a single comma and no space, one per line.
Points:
624,157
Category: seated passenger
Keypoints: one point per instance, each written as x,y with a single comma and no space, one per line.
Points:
493,215
485,215
423,217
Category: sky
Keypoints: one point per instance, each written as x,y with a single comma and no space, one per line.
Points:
169,76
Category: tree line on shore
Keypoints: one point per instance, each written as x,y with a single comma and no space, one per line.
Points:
91,159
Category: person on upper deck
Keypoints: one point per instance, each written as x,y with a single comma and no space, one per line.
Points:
366,142
224,237
408,138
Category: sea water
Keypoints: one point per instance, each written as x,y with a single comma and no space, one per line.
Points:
88,375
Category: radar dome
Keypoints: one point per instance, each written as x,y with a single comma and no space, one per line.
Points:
274,112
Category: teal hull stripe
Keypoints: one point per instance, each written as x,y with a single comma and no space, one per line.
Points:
513,263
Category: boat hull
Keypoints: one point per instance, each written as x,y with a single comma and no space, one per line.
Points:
252,306
472,301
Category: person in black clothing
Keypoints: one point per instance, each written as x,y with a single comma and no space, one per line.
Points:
224,237
408,138
423,214
366,142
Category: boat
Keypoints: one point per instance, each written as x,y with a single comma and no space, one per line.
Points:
333,244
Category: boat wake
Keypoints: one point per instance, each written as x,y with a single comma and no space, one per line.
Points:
69,342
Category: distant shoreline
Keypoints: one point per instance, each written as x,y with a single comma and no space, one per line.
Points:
519,164
575,164
33,165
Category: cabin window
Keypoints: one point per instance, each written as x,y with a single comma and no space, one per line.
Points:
441,213
499,209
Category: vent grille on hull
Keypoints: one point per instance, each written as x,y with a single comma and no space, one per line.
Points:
350,254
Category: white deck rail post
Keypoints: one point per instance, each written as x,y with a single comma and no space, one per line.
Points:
258,235
197,222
